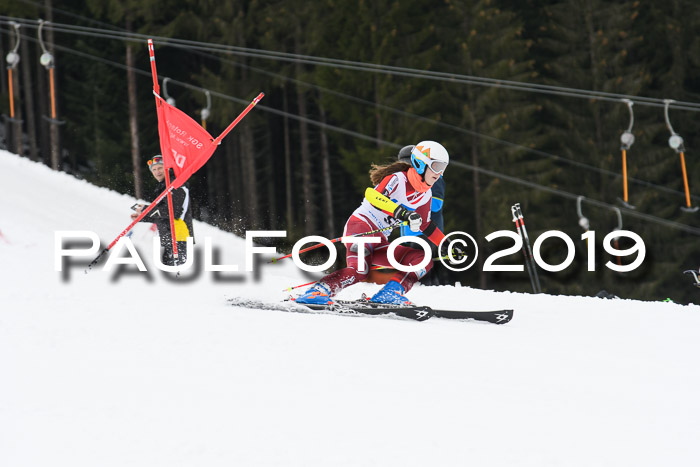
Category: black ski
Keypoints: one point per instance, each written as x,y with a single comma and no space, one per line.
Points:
364,307
345,307
421,313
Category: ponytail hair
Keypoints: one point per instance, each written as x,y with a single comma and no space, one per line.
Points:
378,172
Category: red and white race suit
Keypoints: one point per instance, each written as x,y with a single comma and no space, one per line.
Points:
367,218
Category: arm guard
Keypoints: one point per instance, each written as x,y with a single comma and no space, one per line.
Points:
380,201
433,234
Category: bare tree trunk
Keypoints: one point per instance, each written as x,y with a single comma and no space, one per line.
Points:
55,145
288,174
233,176
97,146
247,157
377,116
595,68
133,115
477,206
17,124
309,200
3,67
210,206
271,188
249,176
596,84
221,189
326,176
53,130
43,96
3,85
29,101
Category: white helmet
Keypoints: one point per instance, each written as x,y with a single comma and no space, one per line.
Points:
429,154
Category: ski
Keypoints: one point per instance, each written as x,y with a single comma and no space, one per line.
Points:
353,307
421,313
363,307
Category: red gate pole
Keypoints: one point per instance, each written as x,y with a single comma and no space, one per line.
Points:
163,149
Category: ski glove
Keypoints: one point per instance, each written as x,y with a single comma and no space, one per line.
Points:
413,218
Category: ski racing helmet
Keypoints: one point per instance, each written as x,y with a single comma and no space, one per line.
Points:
405,153
429,154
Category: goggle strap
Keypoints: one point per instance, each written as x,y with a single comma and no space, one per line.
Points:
420,156
155,160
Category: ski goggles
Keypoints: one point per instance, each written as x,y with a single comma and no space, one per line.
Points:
155,160
436,166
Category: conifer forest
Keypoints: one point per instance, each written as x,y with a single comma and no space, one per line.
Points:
530,98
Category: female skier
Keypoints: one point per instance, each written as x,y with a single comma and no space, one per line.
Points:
408,186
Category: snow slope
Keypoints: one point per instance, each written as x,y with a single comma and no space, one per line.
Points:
106,369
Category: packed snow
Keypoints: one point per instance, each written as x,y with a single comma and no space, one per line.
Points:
115,368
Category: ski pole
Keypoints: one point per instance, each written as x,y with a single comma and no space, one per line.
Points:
336,240
513,210
289,289
527,252
529,249
372,268
616,240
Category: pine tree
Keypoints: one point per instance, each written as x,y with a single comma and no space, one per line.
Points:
588,45
489,45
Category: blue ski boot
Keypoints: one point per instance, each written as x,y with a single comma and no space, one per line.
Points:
319,294
391,293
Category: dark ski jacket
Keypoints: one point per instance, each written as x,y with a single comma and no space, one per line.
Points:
438,190
182,212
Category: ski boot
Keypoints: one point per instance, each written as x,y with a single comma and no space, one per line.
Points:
391,293
319,294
